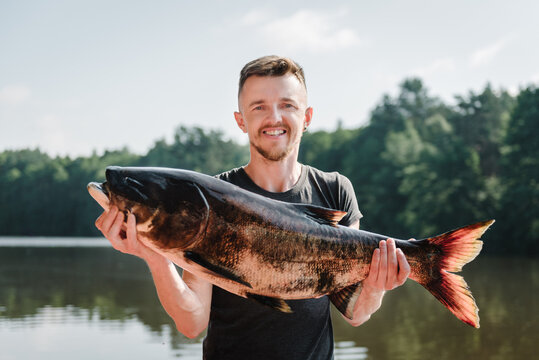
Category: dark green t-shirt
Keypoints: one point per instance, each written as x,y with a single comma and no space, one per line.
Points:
240,328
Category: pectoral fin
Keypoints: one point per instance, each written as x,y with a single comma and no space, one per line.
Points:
321,215
213,269
345,300
275,303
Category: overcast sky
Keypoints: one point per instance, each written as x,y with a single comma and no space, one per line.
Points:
78,76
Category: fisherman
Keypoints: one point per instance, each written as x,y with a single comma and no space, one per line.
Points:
273,112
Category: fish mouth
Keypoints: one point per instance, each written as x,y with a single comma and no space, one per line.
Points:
100,194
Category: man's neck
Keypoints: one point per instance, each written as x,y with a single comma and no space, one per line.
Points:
274,176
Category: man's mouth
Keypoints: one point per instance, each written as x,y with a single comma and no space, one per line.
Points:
275,132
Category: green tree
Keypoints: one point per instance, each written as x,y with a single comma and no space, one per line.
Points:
519,213
481,120
198,150
326,150
46,196
377,174
31,188
440,177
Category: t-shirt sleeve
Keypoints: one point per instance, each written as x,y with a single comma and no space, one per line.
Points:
348,202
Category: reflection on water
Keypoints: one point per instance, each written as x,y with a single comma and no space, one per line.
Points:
347,350
74,333
91,302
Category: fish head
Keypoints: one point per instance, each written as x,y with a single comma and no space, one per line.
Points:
170,208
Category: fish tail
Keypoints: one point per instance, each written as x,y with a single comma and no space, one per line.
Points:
455,249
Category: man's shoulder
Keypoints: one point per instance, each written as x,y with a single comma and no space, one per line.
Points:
230,174
332,177
236,176
335,191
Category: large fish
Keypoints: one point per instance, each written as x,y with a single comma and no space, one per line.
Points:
271,251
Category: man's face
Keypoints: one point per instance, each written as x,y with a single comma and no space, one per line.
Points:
273,112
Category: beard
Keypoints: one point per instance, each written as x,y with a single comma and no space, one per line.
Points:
273,154
277,154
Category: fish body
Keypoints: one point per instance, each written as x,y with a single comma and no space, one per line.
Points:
272,251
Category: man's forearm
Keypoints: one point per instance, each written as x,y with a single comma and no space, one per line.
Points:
186,303
186,300
388,270
368,302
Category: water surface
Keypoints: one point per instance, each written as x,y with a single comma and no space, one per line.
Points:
79,298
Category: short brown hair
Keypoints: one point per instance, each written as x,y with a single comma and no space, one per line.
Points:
271,65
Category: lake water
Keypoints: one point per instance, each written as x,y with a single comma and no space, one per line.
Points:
80,299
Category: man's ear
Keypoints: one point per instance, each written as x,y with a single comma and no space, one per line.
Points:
308,117
239,120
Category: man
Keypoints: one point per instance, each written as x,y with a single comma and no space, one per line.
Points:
273,111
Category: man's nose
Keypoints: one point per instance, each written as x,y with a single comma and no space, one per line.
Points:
275,113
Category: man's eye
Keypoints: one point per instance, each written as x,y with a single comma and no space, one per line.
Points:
258,107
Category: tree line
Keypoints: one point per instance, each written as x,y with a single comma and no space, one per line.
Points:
419,167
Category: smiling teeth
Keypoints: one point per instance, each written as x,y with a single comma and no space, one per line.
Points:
274,132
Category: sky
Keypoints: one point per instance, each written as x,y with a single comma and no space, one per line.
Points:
78,77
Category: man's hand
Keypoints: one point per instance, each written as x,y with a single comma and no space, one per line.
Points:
389,269
187,302
111,224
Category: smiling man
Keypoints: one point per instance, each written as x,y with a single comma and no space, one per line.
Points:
273,112
283,101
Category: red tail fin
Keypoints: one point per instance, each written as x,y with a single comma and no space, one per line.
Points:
456,248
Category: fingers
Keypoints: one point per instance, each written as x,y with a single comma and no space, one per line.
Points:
389,267
110,224
116,226
122,236
392,265
404,268
131,230
382,269
106,219
113,234
99,220
375,265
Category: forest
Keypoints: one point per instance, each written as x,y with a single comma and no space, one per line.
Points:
419,167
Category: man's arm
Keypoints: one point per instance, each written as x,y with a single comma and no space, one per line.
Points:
389,269
187,300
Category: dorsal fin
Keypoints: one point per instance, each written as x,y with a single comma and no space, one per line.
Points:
321,215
